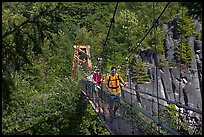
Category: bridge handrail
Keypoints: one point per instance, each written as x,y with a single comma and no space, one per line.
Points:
153,118
169,101
163,125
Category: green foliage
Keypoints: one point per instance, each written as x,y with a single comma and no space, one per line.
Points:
37,52
194,9
172,111
157,42
199,36
139,74
184,53
25,29
172,64
163,61
39,109
90,124
172,116
186,26
43,95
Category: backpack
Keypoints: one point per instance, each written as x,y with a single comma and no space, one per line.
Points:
116,82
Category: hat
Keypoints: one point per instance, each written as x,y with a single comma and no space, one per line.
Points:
113,68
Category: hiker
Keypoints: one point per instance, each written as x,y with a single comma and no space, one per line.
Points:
97,77
112,83
90,77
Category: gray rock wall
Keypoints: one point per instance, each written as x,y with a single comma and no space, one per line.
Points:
178,84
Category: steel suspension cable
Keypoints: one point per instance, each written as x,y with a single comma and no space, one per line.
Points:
105,43
152,27
156,74
127,72
153,77
112,21
126,15
156,22
180,61
139,44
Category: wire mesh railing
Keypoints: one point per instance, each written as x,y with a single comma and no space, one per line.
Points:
122,116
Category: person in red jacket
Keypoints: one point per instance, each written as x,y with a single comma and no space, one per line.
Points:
97,77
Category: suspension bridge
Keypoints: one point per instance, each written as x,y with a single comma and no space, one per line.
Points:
133,116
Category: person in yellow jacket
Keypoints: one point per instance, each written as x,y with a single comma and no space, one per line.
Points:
112,82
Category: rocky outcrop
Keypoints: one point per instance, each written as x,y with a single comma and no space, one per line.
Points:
176,83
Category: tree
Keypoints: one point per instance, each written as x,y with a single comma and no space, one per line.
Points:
140,75
184,53
194,9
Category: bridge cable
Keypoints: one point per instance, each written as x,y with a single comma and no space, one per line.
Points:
112,21
156,22
180,61
105,43
127,35
156,69
154,76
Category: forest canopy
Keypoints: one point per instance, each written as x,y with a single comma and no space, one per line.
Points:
38,94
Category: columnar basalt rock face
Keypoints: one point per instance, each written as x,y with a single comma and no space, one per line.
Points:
176,83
